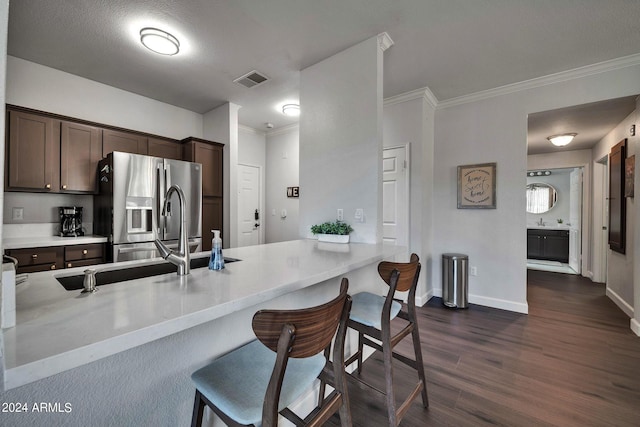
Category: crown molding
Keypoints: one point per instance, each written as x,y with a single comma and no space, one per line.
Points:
588,70
248,129
284,129
422,93
384,41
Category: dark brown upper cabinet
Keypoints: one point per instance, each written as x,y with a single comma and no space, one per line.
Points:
209,154
33,153
127,142
165,148
80,152
617,201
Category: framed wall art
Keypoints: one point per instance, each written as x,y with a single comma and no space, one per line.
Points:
477,186
629,175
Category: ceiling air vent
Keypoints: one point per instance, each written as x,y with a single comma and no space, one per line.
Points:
251,79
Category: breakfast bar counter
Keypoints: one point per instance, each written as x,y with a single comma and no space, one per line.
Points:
58,330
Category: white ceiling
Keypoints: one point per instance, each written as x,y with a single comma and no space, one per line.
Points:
454,47
590,121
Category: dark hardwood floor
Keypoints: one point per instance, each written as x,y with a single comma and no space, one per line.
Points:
573,361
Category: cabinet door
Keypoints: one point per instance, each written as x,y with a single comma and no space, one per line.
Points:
33,152
534,246
80,152
123,141
209,154
211,219
165,148
556,247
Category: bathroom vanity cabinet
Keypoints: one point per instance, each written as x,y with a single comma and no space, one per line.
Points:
551,245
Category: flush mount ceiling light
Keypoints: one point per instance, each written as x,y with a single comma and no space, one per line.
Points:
292,110
159,41
561,140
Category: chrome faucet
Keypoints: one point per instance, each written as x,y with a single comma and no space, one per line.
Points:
540,222
181,259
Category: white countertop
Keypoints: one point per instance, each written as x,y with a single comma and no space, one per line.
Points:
44,241
548,227
57,330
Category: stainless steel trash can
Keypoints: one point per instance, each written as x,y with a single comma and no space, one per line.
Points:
455,280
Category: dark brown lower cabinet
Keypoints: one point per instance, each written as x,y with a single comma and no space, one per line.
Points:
32,260
550,245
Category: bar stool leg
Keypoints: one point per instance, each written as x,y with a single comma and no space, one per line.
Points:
387,355
360,351
415,334
198,410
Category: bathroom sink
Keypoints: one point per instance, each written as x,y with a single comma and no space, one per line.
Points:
75,283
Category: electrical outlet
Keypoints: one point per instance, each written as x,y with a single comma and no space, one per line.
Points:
18,214
340,215
359,216
473,270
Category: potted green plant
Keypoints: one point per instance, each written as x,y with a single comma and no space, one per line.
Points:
334,232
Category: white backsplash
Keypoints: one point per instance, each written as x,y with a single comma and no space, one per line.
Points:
10,231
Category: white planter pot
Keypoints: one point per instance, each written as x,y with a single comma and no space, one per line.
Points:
333,238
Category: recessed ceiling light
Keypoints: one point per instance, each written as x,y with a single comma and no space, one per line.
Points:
562,139
159,41
292,110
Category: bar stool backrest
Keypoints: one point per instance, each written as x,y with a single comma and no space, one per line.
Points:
408,273
313,328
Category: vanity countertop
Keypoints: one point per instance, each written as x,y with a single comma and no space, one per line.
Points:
548,227
58,330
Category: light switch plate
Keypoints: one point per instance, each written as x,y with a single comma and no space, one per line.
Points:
18,214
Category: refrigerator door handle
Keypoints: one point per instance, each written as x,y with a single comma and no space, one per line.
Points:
159,203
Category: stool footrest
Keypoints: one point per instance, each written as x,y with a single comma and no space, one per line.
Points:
407,403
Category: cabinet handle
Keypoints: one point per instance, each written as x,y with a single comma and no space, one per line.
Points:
34,256
69,265
53,267
64,187
48,186
84,252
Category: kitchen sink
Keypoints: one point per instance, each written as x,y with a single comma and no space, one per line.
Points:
75,283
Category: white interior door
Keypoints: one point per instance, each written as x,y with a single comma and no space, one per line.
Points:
575,219
249,215
395,196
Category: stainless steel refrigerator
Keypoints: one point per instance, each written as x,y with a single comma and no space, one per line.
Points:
128,208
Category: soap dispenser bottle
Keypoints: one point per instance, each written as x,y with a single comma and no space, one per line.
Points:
216,262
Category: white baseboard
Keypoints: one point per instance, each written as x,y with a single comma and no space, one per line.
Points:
502,304
424,298
635,327
622,304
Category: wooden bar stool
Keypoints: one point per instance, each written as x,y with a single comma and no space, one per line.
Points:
249,386
371,316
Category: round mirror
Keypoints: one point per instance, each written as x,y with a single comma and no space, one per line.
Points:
540,197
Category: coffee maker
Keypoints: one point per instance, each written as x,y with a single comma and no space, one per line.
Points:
71,221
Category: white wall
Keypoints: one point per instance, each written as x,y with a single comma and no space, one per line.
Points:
341,140
282,171
42,88
620,266
494,129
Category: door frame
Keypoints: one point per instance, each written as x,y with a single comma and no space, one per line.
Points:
407,215
601,220
261,202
